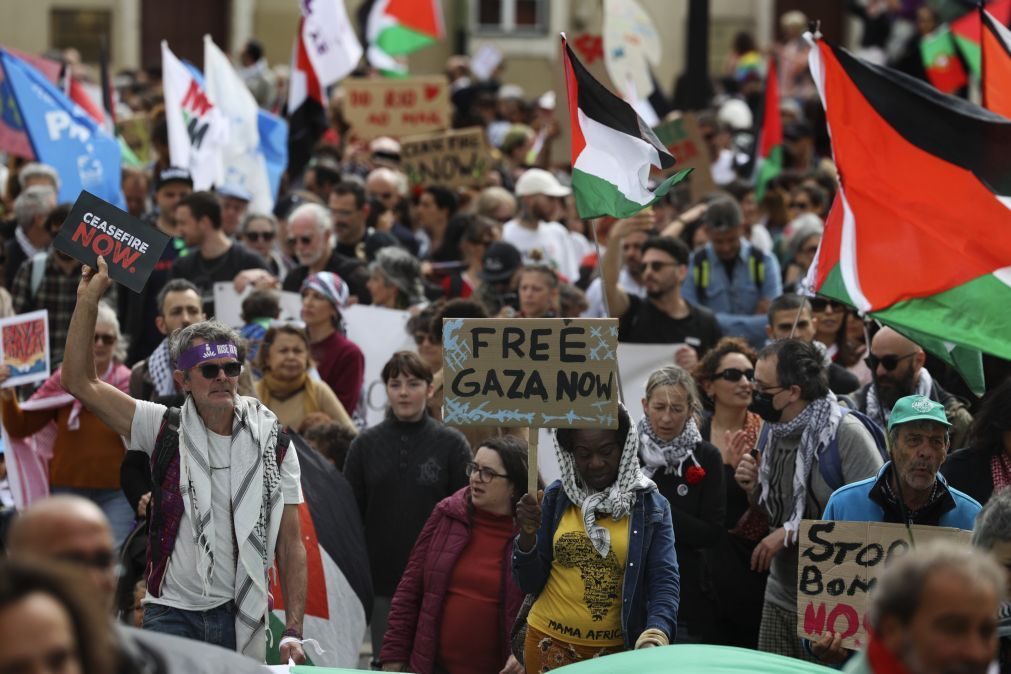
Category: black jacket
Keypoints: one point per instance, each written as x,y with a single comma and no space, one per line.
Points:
968,470
349,269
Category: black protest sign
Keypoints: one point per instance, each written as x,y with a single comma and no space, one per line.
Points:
453,158
96,227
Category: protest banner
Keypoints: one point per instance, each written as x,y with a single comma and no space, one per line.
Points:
379,333
396,107
681,136
453,158
24,340
130,248
228,304
839,563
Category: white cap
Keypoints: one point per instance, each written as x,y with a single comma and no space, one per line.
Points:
538,181
510,91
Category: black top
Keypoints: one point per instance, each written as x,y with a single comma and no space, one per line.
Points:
350,270
205,273
968,470
841,381
15,255
643,322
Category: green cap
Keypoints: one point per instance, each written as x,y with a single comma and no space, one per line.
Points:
917,408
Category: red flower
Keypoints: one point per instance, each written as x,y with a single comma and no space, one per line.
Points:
694,474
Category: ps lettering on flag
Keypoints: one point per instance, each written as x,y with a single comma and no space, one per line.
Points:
63,135
613,149
197,128
330,41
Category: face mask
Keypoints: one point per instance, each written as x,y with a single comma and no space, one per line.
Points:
762,405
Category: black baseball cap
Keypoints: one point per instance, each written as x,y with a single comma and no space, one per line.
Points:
173,174
501,261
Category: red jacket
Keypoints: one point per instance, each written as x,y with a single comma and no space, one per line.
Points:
412,634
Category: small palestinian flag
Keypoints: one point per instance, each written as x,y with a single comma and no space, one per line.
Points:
942,63
612,148
400,27
339,589
933,189
770,148
967,31
996,65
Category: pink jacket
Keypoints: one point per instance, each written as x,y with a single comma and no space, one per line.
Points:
412,635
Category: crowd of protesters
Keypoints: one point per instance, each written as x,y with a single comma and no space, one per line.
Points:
679,526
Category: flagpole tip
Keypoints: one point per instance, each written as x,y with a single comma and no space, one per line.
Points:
814,27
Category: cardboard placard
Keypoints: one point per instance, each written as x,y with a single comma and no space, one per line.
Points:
684,140
453,158
396,107
544,372
24,347
839,563
96,227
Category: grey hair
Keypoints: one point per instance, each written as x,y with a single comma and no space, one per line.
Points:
993,523
396,178
802,228
35,201
401,269
36,169
250,217
673,375
208,331
319,214
107,315
899,589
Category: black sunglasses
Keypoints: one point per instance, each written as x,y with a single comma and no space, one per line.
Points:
657,265
108,340
820,304
257,236
211,370
889,362
735,374
800,205
304,240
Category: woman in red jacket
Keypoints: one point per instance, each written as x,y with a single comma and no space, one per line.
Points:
457,601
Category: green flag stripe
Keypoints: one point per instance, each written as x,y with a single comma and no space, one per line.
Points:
595,197
768,168
971,52
398,40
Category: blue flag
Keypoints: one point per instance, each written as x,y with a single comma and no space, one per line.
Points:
64,136
273,147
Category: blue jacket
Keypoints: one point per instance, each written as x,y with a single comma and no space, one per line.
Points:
734,300
651,587
860,502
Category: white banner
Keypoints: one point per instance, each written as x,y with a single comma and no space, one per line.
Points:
329,39
228,304
379,333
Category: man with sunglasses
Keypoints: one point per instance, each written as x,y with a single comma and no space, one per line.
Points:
226,488
897,366
310,235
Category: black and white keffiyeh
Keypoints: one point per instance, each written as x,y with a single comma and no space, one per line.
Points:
657,454
159,366
617,501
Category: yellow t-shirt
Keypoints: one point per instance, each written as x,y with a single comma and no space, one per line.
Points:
581,602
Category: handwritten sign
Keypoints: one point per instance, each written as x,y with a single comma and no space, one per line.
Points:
546,372
684,140
396,107
839,563
24,340
454,158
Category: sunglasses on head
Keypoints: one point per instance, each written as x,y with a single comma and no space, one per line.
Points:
304,240
211,370
735,374
258,236
820,304
108,340
889,362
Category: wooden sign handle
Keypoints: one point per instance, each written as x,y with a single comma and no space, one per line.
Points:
532,462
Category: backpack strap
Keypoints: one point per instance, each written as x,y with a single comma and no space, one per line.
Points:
282,447
829,461
701,273
160,458
756,267
38,272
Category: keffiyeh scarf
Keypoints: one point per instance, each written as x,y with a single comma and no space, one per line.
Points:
159,366
874,410
820,422
616,501
657,454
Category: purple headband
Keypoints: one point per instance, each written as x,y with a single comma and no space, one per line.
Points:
195,355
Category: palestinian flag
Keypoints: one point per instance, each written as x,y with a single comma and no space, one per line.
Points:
306,109
924,181
400,27
339,597
967,32
942,63
996,65
770,148
612,148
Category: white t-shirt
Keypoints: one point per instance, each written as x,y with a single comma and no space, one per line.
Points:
549,244
182,587
595,293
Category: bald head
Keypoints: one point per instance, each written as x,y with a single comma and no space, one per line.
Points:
890,341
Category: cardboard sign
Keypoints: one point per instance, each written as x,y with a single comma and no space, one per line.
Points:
24,347
682,137
453,158
130,248
545,372
839,563
396,107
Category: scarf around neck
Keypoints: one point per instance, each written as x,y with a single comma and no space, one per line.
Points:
270,389
657,454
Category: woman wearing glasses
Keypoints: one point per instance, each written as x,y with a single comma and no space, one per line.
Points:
258,233
725,375
286,387
457,600
86,454
687,471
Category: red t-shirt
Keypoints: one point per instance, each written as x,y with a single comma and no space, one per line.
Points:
340,364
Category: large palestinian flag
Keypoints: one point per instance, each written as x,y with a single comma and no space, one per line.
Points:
339,597
996,65
921,235
612,148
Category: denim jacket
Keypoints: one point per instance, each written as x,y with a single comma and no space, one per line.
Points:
651,587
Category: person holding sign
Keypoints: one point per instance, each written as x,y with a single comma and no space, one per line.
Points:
689,472
600,530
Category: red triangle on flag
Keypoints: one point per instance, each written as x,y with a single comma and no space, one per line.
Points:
316,603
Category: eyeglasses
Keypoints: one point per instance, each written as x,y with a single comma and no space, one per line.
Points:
800,205
101,561
889,362
304,240
266,237
656,265
735,374
483,474
108,340
819,304
211,370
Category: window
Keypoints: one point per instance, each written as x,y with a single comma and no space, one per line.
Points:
510,17
82,29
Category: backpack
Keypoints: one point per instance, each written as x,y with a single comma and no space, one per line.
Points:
702,271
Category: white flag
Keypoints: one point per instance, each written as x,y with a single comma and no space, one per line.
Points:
329,39
243,163
196,128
